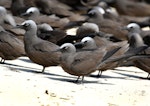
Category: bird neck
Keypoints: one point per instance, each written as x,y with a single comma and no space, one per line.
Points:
91,46
30,36
31,32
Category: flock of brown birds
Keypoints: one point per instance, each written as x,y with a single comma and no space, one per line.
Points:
109,34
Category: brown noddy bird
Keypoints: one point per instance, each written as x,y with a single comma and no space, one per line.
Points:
62,10
142,23
46,32
135,28
87,29
92,29
39,51
135,41
80,63
53,36
120,56
106,25
97,42
131,8
125,19
18,7
7,21
6,18
49,7
33,13
10,46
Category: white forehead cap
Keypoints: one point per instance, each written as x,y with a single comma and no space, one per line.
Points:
134,25
100,9
32,9
3,9
86,39
30,22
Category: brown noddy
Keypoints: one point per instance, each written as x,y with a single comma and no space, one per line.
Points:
131,8
10,46
80,63
135,28
106,25
115,49
33,13
39,51
136,41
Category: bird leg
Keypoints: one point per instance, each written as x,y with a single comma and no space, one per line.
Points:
82,79
77,79
148,75
99,73
43,69
2,61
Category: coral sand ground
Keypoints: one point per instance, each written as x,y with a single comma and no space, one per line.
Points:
21,84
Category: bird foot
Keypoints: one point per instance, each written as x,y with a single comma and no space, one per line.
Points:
99,74
79,81
2,61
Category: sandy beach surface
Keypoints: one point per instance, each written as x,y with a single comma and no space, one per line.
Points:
21,84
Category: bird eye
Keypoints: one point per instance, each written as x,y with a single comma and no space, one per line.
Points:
65,48
85,41
131,27
91,14
26,24
30,12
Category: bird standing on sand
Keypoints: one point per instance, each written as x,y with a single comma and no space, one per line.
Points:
135,28
136,41
106,25
38,50
33,13
79,63
6,18
10,46
118,48
84,62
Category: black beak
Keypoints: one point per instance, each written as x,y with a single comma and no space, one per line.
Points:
57,50
25,14
79,45
19,26
124,28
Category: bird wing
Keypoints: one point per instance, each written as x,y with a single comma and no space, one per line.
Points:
9,38
85,62
45,46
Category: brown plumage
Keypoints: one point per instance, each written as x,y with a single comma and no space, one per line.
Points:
106,25
135,41
18,7
143,63
92,29
6,20
97,42
10,46
135,28
128,7
49,7
80,63
125,19
53,36
33,13
38,50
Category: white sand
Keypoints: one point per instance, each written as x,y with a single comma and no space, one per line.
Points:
20,85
